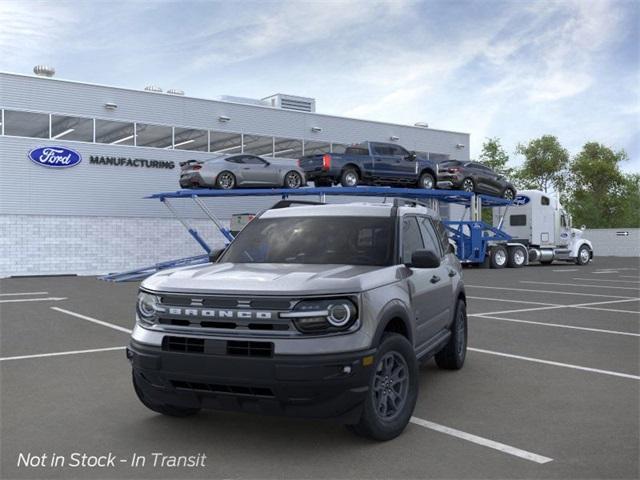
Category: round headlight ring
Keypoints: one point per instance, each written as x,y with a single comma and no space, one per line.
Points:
146,306
340,314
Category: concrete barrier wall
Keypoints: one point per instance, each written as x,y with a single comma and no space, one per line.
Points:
614,242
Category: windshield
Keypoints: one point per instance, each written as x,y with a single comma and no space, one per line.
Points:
314,240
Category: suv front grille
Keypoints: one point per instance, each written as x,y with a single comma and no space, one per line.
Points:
183,344
229,389
217,347
250,349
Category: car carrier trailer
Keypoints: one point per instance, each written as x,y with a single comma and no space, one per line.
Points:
476,242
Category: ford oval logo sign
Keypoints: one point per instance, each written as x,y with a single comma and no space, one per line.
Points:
521,200
55,157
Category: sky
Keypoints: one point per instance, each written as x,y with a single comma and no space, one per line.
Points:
509,69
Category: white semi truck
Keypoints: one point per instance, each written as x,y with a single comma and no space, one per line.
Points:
538,225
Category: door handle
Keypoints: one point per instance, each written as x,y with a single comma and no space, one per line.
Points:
452,273
435,279
246,168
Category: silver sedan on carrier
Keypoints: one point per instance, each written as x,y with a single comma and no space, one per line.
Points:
241,170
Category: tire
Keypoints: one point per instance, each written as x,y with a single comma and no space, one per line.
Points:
517,257
427,181
226,180
164,409
292,180
395,353
584,255
498,256
468,185
349,178
452,355
508,194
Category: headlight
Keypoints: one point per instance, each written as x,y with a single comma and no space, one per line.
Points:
323,316
146,307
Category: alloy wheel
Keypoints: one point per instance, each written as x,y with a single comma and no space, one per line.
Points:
467,185
390,385
226,181
293,180
508,194
351,179
427,182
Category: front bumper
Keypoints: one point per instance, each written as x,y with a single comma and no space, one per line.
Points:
449,181
314,386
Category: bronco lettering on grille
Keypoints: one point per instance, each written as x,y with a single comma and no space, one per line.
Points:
213,313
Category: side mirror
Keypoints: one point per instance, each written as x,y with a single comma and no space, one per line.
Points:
214,255
424,259
412,156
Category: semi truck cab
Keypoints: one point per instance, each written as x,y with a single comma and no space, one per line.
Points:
538,221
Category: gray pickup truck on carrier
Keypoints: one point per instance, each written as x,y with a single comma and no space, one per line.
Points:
371,163
313,310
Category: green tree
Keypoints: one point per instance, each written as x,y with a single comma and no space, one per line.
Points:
494,156
600,195
544,165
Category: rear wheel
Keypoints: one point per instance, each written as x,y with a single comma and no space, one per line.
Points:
517,257
226,180
164,409
468,185
584,255
452,356
427,181
498,256
349,178
293,179
393,390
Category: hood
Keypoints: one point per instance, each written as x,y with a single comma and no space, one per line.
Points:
272,279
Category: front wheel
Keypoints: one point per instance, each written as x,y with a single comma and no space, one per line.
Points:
468,185
226,180
427,181
393,390
293,179
452,356
584,255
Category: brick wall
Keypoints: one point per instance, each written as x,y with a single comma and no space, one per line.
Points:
44,245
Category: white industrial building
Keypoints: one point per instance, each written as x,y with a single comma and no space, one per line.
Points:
93,218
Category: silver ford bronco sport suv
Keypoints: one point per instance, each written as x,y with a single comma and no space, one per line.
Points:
320,311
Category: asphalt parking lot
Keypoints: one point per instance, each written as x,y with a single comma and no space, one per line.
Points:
551,389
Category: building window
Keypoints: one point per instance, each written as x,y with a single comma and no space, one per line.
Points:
114,133
157,136
314,148
258,145
190,139
71,128
287,148
26,124
225,142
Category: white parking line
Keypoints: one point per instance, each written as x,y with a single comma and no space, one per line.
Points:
558,325
485,442
555,364
555,307
514,301
581,285
23,293
92,320
551,306
604,280
628,276
57,354
20,300
567,270
530,290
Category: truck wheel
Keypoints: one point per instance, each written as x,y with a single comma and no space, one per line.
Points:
164,409
226,180
584,255
498,256
452,356
349,178
517,257
393,390
468,185
427,181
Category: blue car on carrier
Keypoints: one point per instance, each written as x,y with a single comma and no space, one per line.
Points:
371,163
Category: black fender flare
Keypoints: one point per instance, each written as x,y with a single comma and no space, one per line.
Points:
392,310
428,170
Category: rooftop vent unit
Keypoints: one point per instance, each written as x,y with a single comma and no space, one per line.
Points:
153,88
44,71
245,100
175,91
291,102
